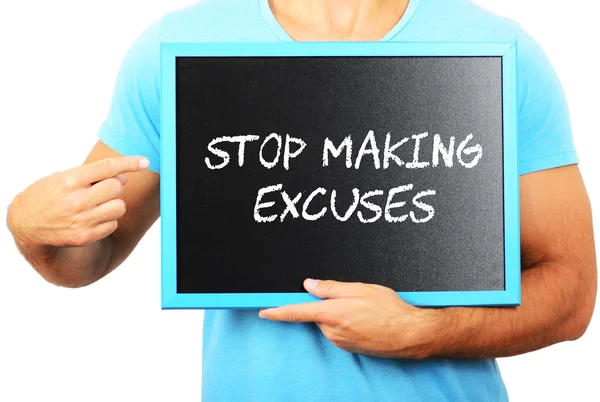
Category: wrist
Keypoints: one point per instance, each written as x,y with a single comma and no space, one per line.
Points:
25,242
432,333
454,330
420,338
12,223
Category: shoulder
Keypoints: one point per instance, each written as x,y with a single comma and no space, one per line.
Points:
216,21
465,21
203,21
460,21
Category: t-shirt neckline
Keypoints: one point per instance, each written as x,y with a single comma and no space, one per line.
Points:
282,35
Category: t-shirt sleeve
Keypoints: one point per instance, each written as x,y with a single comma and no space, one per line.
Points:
544,125
132,126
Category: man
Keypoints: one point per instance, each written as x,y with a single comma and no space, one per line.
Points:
362,343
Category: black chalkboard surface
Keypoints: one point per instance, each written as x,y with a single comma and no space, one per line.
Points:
379,169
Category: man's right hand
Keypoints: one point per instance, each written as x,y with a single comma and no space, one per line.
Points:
75,207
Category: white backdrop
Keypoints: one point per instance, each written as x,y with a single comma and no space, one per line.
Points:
110,341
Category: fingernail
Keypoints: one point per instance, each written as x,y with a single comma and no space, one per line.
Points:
261,314
122,178
311,283
144,163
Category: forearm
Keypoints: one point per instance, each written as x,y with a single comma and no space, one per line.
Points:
64,266
554,308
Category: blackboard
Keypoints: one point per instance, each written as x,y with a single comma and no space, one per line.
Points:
380,169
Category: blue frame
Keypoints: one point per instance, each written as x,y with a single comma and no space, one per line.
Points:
169,51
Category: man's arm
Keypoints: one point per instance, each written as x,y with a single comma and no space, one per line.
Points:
558,291
559,277
75,233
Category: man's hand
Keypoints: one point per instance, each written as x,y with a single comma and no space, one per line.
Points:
558,283
72,226
75,207
364,318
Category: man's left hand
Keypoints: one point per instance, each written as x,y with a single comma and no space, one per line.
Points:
364,318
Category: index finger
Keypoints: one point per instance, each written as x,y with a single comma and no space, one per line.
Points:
306,312
110,167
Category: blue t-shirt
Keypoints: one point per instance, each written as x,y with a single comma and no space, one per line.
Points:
248,358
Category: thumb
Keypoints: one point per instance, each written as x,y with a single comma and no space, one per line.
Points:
330,289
